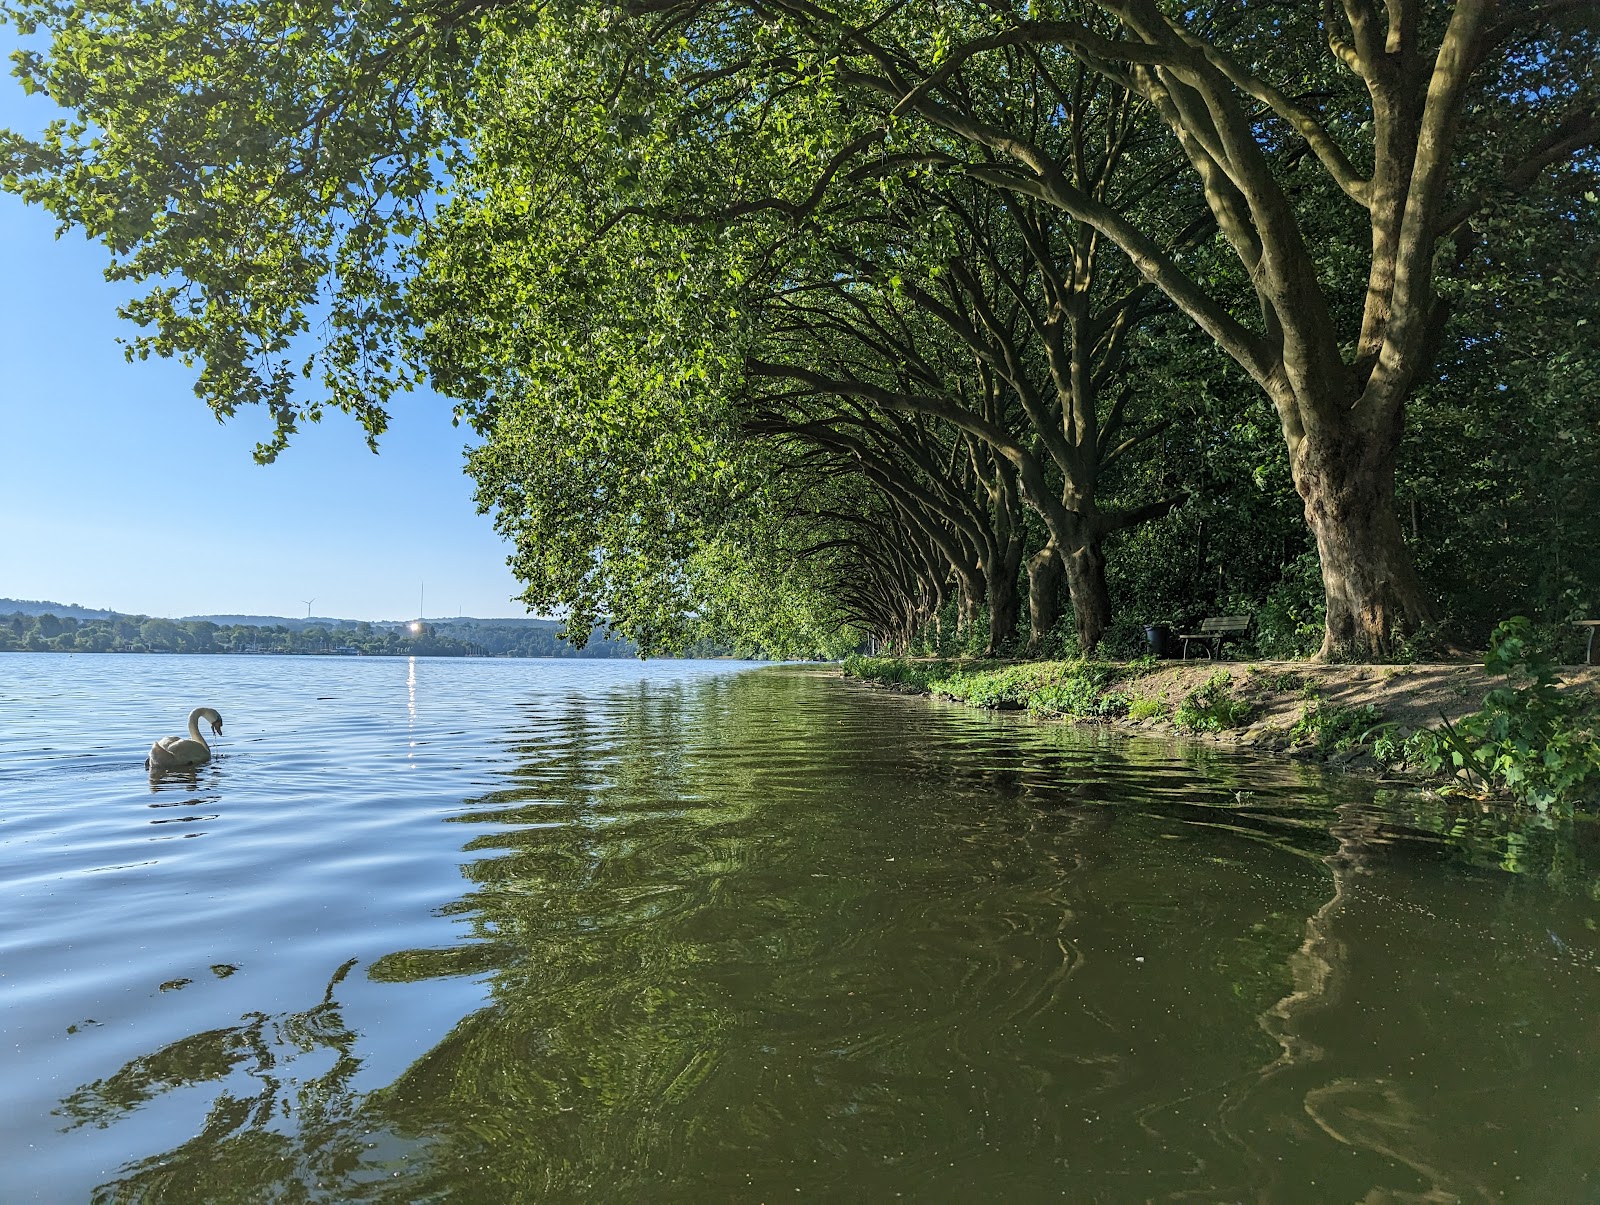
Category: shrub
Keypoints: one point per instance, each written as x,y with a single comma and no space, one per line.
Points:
1533,740
1008,687
1333,726
1060,643
1144,709
915,674
1212,708
1075,688
1289,620
1124,639
1078,697
1430,642
1389,747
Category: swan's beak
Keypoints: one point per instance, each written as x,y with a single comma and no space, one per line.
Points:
216,728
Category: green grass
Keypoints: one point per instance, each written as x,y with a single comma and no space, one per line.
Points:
894,671
1213,708
1333,727
1048,688
1144,709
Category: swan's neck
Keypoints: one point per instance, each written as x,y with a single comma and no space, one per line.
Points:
194,726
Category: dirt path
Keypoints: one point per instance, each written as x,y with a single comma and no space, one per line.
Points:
1412,695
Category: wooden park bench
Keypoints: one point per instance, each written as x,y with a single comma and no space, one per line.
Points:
1213,631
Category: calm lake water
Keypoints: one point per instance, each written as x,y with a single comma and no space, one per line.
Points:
560,930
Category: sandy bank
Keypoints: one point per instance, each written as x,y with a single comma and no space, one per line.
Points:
1355,717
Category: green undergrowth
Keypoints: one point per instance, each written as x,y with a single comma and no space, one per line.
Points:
1082,689
1213,707
1334,727
1531,741
1145,709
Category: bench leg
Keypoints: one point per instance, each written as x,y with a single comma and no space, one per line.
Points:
1588,656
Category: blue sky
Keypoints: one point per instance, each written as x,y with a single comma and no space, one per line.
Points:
119,489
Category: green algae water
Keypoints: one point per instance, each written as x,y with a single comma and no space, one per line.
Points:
590,931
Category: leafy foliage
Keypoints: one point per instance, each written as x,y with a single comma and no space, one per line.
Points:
787,328
1333,726
1145,709
1050,688
895,671
1213,707
1531,738
267,167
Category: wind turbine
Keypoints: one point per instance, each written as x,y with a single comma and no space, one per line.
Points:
308,602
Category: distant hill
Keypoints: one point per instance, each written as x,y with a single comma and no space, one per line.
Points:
294,623
301,623
266,621
29,606
86,629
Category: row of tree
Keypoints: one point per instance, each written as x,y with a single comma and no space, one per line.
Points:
792,323
49,633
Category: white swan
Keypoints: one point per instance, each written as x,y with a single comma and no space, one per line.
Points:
174,752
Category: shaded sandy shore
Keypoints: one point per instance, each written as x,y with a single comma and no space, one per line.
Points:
1416,696
1279,693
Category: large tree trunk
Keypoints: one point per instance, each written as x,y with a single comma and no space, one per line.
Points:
1091,601
1005,602
1044,595
1005,608
970,603
1368,576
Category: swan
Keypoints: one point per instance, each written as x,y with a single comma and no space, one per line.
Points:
173,752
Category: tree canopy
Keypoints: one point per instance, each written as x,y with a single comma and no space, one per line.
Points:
791,326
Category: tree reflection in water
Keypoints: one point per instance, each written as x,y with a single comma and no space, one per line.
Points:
757,933
271,1127
1405,1038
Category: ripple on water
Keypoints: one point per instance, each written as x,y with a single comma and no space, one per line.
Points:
498,930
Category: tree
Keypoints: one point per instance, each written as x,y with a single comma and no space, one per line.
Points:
1499,481
1343,155
984,314
1271,135
270,188
1339,387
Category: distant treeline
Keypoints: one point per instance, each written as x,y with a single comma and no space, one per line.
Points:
39,606
48,633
